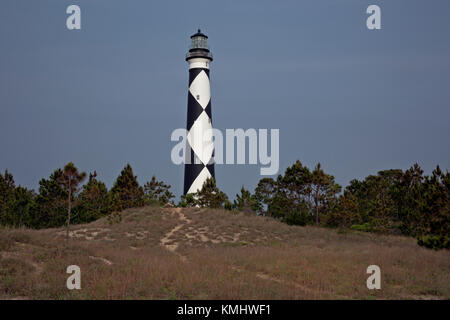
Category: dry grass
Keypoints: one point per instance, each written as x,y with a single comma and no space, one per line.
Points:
193,253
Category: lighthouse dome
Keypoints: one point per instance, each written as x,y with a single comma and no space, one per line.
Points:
199,41
199,47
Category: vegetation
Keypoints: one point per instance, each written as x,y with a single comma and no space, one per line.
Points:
69,181
60,200
94,200
231,256
126,191
246,202
300,196
391,202
158,191
208,197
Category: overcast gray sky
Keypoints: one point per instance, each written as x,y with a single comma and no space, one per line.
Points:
358,101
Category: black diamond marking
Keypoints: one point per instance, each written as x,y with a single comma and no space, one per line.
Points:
192,153
194,111
208,110
194,72
191,172
210,168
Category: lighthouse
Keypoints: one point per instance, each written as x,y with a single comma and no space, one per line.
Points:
199,164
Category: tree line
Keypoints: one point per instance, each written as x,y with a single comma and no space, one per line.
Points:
60,200
392,201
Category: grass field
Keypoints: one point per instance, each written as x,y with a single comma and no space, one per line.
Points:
172,253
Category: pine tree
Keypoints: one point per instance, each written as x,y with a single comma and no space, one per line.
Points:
7,187
50,206
435,205
245,202
293,203
266,189
323,190
69,181
187,200
94,200
298,195
15,202
157,191
210,196
126,192
21,206
345,213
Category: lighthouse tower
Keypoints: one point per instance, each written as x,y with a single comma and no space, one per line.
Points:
199,164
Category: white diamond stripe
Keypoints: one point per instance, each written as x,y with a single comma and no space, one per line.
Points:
200,89
198,182
200,138
188,157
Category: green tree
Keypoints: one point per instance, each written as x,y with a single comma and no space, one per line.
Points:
379,199
210,196
126,192
245,202
298,195
21,205
115,214
15,202
69,180
7,189
266,189
408,198
345,213
434,206
94,200
158,191
323,191
187,200
50,207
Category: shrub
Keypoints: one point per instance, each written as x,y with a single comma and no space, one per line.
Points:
366,227
6,241
126,191
435,242
296,217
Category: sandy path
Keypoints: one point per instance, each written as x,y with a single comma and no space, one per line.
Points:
172,246
166,241
267,277
105,261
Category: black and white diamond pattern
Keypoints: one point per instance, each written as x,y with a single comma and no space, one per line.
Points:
200,147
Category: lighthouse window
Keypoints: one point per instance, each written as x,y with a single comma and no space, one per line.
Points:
199,42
